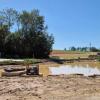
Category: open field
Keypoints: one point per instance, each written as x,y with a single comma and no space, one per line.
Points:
71,54
50,88
55,54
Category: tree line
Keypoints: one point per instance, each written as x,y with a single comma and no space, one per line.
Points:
24,34
91,49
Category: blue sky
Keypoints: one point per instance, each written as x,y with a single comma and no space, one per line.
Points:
72,22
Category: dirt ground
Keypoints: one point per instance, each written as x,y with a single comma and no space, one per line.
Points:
70,87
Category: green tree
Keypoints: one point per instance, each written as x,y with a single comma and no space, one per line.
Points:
73,48
38,42
94,49
13,45
3,34
31,38
8,17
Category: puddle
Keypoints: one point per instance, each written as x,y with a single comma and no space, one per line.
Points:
68,69
85,68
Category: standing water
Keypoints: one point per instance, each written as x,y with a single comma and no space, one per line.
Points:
68,69
85,68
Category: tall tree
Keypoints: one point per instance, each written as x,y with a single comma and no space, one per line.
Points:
8,17
38,42
30,39
3,34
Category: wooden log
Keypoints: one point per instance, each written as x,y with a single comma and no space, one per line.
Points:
10,74
13,69
1,71
94,76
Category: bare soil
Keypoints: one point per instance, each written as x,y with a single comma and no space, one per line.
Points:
70,87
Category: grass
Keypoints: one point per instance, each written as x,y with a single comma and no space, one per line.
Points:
71,54
24,62
98,59
55,55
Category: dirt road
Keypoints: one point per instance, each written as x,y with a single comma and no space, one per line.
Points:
70,87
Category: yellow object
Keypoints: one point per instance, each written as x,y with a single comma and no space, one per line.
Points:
1,71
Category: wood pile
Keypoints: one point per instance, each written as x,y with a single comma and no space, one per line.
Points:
33,70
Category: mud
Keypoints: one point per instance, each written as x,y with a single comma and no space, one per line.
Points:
63,87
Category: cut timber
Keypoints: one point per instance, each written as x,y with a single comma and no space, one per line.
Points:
13,69
78,74
94,76
10,74
1,71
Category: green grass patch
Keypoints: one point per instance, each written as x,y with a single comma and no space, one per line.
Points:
72,52
98,59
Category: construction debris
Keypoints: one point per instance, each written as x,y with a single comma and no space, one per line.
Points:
33,70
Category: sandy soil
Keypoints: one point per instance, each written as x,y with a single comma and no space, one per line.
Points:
70,87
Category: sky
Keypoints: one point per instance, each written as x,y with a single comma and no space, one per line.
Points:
72,22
